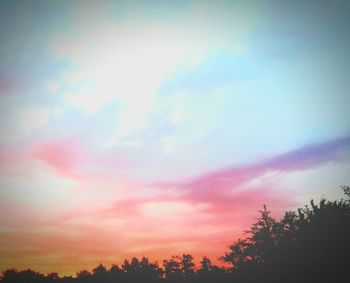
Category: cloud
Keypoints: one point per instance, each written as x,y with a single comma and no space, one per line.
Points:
125,62
303,158
31,118
165,209
234,193
310,156
120,223
123,89
62,155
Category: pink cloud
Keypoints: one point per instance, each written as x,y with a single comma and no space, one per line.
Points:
300,159
74,158
209,211
63,155
309,156
233,203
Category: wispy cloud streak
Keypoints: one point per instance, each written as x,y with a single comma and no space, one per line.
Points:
303,158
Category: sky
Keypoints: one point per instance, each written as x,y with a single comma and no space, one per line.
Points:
157,128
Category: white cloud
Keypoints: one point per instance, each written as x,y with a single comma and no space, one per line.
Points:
32,117
126,70
43,191
126,62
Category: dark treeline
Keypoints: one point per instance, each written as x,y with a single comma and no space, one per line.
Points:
311,244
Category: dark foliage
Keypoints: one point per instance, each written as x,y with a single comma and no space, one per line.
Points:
311,244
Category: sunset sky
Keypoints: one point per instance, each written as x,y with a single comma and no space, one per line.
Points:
154,128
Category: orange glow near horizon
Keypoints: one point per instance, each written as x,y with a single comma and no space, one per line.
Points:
158,128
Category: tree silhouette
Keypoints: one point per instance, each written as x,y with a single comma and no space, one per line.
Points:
346,190
83,273
172,269
27,276
187,267
115,271
9,275
206,265
100,270
311,244
53,276
141,270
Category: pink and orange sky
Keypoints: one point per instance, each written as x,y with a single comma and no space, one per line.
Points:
155,128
